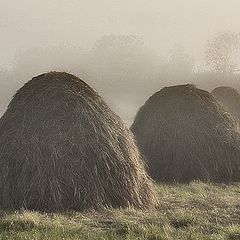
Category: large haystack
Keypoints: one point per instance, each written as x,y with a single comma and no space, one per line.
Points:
62,148
230,99
185,135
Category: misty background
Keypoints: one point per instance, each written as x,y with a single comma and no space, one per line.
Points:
126,50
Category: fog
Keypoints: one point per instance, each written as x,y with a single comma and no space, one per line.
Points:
126,50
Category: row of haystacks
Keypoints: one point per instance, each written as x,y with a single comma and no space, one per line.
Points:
185,134
62,148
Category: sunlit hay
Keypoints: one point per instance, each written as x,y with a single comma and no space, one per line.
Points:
230,99
62,148
186,135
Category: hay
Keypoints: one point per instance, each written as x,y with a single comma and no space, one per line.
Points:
62,148
230,99
186,135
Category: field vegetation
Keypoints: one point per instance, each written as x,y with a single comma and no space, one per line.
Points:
194,211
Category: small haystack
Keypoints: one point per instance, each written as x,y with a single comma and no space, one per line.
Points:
230,99
186,135
62,148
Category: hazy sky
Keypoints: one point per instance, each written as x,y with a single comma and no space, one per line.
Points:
29,23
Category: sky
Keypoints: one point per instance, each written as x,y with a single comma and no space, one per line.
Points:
29,23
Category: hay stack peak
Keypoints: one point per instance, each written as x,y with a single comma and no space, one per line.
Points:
186,135
62,148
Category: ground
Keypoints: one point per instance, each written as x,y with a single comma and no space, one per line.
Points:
195,211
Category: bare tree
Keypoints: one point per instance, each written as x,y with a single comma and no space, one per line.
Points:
222,51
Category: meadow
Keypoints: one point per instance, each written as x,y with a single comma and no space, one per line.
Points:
197,211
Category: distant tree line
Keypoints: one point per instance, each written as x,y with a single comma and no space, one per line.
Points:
125,71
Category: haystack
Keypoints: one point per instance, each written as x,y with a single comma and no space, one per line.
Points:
186,135
62,148
230,99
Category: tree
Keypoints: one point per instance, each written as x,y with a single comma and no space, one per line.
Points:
123,62
222,51
125,71
180,63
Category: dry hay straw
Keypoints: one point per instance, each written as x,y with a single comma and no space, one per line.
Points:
229,98
62,148
186,135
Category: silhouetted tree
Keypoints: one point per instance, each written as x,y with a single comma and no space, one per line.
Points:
222,51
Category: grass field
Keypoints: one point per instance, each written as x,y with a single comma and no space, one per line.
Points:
195,211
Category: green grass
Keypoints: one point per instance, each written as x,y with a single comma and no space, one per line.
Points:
196,211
